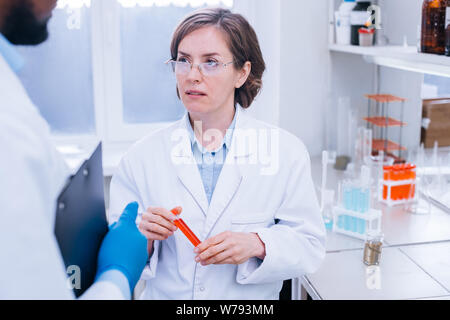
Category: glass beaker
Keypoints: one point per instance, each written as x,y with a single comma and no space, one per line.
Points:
419,196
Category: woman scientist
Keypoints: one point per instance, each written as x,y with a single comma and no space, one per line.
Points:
244,186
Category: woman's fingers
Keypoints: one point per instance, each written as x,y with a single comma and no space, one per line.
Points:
166,214
157,223
160,220
156,228
212,254
152,236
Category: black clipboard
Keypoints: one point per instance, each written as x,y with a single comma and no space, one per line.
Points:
80,223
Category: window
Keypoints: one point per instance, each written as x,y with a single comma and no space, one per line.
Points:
58,74
102,71
435,87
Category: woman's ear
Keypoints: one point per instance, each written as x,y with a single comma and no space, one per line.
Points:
243,74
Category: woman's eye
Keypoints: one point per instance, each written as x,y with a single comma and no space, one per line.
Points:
182,60
212,63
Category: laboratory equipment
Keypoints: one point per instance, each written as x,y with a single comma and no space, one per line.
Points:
359,17
433,26
345,126
327,209
372,249
381,122
363,146
398,184
342,21
184,228
366,36
422,205
353,215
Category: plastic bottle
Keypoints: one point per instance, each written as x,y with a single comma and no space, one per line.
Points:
343,27
358,18
433,26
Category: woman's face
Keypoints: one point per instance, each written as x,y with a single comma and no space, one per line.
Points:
202,93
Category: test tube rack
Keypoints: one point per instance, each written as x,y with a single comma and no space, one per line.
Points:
383,122
356,224
398,190
385,192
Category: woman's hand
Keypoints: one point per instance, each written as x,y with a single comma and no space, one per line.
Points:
157,224
230,248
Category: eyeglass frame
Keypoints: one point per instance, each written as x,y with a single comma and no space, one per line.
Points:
224,65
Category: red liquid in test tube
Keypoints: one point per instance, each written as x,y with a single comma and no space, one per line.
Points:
185,229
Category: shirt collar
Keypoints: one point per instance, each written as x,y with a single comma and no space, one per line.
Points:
226,140
10,54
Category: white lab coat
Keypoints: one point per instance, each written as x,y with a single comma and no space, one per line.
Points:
32,173
250,194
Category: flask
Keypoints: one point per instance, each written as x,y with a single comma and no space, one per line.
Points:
433,26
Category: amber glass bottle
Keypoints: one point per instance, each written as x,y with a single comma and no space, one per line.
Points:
447,30
433,26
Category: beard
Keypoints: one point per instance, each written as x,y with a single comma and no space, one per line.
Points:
21,27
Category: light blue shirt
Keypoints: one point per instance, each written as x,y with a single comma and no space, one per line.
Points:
10,54
210,163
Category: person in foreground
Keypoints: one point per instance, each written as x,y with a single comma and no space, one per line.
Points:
243,186
32,174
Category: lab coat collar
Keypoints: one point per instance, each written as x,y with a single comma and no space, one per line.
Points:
230,177
226,141
10,54
239,124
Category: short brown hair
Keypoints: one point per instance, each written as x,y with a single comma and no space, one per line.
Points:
242,41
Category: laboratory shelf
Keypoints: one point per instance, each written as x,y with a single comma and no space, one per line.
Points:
384,98
379,145
383,122
400,57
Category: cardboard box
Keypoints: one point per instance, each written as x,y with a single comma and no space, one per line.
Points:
436,113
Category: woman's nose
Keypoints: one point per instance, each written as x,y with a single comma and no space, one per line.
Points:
194,74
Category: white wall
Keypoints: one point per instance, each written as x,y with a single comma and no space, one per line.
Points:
304,65
304,80
264,16
293,37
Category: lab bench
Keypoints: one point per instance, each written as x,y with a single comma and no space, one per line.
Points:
415,259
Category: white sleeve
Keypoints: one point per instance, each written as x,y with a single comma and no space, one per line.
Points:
296,245
111,285
123,190
32,267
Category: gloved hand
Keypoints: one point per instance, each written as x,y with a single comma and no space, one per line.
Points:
124,248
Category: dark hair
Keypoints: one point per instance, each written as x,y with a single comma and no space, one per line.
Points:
242,41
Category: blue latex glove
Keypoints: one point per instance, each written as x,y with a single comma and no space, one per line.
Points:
124,247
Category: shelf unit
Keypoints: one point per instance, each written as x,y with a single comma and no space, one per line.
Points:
383,121
399,57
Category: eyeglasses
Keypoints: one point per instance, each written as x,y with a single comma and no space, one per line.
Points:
207,69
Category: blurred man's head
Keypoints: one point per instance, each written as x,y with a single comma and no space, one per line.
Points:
24,22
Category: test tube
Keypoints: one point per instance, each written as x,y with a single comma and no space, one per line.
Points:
362,226
340,222
184,228
355,197
347,195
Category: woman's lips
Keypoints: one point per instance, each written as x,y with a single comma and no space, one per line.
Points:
195,94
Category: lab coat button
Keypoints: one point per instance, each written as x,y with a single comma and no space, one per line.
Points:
202,288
